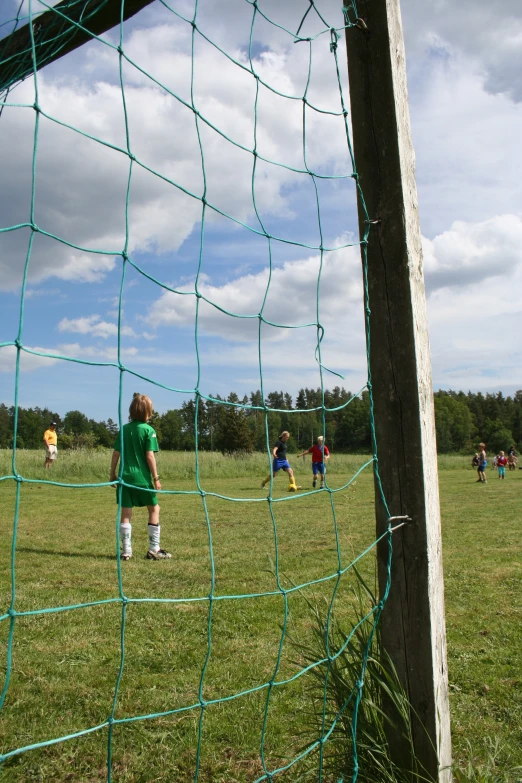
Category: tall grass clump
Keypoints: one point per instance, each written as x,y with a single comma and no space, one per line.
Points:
384,714
347,657
495,769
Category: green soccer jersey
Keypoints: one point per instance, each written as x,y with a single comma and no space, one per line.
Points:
138,438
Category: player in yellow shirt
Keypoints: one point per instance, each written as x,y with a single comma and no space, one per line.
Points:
50,439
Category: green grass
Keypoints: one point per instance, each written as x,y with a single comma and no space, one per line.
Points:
65,664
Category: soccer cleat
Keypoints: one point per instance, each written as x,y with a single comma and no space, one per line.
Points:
125,556
314,484
262,485
293,488
322,486
161,554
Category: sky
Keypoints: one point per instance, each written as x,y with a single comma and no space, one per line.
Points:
464,65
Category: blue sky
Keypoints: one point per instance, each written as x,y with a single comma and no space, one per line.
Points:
466,112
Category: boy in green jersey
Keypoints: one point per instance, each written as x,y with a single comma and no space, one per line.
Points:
138,441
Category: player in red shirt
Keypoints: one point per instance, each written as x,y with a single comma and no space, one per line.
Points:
319,454
501,465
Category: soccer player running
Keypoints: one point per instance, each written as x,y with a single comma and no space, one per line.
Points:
280,462
319,454
139,469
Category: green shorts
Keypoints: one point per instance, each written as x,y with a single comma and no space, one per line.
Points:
132,497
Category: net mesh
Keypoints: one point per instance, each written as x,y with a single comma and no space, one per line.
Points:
49,36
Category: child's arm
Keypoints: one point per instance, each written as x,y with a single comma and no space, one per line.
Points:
151,462
114,464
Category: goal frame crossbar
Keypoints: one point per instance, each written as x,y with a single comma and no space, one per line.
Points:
57,32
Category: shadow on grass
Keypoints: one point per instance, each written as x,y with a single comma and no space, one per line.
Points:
33,551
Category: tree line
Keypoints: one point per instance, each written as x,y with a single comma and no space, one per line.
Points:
246,424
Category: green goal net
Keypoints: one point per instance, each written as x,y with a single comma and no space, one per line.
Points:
249,98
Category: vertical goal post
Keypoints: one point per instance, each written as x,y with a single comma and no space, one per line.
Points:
413,623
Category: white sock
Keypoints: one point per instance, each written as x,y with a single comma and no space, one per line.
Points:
154,537
125,533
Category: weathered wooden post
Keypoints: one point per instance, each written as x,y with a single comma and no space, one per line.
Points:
413,625
58,31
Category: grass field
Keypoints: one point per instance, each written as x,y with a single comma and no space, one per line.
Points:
65,664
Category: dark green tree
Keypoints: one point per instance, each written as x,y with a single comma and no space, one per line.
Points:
496,436
234,434
6,429
76,423
170,431
454,423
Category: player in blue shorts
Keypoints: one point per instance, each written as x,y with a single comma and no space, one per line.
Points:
280,462
319,454
482,464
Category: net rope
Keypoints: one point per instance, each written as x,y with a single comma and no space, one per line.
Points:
23,64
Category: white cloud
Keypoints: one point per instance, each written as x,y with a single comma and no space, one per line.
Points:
28,361
94,353
37,6
94,326
469,253
81,184
291,298
466,141
475,344
488,34
470,320
474,272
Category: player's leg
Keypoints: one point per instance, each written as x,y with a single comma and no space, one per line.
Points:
275,470
315,471
126,533
321,471
292,486
155,552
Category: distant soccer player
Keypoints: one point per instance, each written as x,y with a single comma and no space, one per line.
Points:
482,464
319,454
280,462
50,439
139,469
501,465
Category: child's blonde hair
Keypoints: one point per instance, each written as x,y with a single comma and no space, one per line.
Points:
285,432
140,408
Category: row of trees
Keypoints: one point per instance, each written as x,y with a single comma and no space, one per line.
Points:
75,429
225,425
